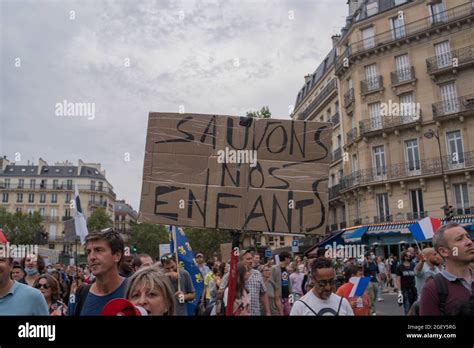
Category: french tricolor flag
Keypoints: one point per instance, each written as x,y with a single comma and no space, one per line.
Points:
3,239
359,285
425,228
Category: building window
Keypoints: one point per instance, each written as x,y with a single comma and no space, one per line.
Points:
68,198
101,186
69,184
417,208
374,115
54,212
44,183
380,168
7,183
93,185
368,37
437,13
398,27
5,197
412,154
372,7
282,241
371,75
402,64
32,184
455,149
42,211
19,197
30,211
18,210
382,207
54,198
21,183
117,217
42,198
443,54
31,198
92,199
461,199
67,212
450,98
56,184
407,107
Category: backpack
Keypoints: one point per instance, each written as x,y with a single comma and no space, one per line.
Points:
81,295
442,289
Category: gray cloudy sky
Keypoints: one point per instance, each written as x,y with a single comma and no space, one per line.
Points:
179,53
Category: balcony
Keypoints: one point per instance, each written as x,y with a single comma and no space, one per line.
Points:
335,119
337,154
59,187
317,103
457,59
351,135
334,191
412,31
417,215
371,85
452,108
349,98
383,218
65,218
51,218
407,170
381,124
402,76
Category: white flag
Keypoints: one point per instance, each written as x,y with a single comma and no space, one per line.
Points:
79,219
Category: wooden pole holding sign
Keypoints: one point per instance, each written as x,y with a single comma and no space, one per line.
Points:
234,260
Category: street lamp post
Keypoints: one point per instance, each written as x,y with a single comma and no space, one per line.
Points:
429,135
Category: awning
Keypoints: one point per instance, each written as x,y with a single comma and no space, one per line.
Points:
354,236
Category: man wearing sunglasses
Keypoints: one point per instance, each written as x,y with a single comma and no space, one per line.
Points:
17,298
322,300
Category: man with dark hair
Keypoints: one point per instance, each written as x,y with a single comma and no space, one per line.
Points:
281,278
105,250
17,298
370,270
449,289
141,261
407,294
185,291
322,300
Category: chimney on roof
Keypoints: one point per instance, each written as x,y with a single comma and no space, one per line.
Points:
307,78
3,163
335,39
41,163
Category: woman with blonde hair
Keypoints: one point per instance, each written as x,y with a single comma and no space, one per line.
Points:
151,289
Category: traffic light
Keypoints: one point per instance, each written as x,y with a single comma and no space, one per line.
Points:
134,249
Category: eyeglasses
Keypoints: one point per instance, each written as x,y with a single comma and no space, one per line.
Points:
39,286
167,257
324,283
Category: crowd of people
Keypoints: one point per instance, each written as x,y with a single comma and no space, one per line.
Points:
432,281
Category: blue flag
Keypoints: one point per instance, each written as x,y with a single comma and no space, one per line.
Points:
186,260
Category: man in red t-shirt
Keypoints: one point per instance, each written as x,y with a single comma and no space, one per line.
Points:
454,244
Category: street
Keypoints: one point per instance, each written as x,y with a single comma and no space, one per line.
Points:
389,305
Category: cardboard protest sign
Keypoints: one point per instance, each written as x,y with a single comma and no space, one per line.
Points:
227,172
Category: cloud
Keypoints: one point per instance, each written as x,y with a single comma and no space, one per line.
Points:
130,58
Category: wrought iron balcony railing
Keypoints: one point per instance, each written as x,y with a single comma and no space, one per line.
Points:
404,75
454,59
409,169
349,97
327,90
454,106
351,135
371,85
337,154
386,122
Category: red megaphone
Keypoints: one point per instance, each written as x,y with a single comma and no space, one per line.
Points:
122,307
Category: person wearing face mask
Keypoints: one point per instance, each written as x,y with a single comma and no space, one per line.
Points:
151,289
34,266
407,294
